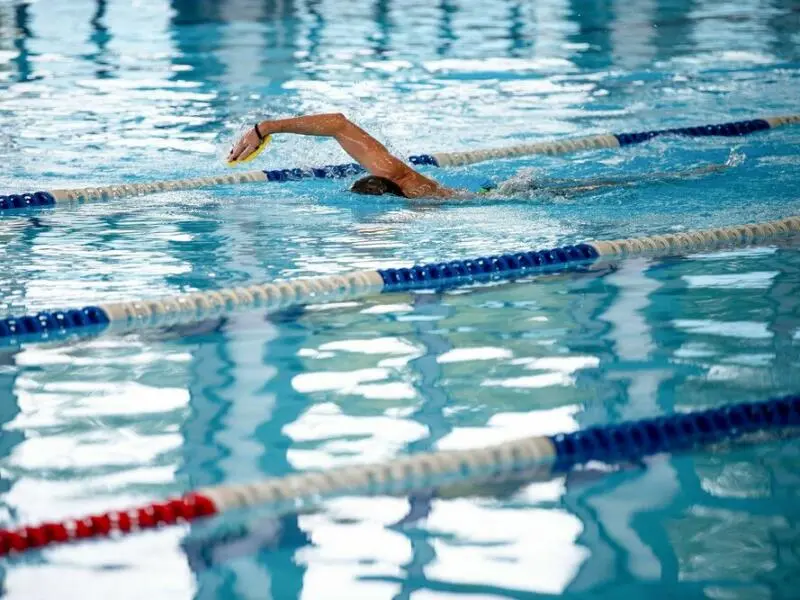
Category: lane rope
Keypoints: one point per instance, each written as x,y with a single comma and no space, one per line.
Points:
440,159
625,442
198,306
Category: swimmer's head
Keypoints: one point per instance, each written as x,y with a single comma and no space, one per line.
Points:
372,185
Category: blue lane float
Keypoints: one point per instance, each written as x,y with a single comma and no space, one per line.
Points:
441,159
734,129
52,324
637,439
503,266
35,200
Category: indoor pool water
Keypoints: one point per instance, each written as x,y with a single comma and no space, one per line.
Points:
115,91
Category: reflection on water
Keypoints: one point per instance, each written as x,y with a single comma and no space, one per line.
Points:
101,91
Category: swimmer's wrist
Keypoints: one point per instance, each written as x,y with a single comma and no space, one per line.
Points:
263,128
259,133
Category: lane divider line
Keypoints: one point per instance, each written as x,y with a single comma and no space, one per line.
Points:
198,306
625,442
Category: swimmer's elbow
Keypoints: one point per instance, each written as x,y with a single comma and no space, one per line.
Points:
339,121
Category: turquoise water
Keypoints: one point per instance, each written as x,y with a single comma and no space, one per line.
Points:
111,92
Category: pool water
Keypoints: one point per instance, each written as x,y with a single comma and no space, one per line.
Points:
106,92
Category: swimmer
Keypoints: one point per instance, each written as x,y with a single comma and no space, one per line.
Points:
390,175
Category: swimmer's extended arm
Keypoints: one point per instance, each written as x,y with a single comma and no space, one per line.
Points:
365,149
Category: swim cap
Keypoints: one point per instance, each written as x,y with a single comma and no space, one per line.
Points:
486,187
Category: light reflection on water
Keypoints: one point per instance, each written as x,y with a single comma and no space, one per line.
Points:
100,92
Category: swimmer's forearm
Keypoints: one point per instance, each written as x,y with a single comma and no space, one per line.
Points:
327,125
365,149
356,142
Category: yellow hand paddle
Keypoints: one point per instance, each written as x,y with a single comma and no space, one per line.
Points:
265,140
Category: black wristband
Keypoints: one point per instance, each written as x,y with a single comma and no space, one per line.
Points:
258,133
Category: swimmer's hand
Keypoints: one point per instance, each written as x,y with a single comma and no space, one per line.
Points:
249,144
